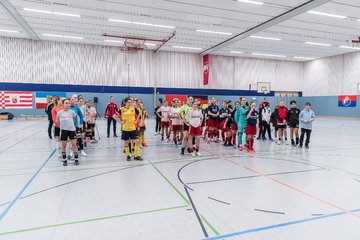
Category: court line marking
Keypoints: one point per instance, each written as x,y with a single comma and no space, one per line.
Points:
196,212
280,225
216,200
291,187
183,197
267,211
16,198
89,220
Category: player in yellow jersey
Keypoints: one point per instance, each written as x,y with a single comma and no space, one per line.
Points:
128,116
143,115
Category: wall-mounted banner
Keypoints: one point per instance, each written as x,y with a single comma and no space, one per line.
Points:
43,98
347,101
206,69
203,100
15,100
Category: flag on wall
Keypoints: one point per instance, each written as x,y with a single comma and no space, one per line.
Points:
43,98
206,69
347,101
171,97
203,100
15,100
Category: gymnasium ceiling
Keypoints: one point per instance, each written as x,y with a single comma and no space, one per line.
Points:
229,17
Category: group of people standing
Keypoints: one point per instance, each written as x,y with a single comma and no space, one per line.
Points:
73,120
230,125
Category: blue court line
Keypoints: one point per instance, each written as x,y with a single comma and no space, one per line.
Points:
12,203
279,225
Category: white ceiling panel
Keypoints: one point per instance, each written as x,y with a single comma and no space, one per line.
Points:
187,16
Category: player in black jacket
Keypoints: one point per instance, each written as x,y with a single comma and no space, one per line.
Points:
292,118
48,110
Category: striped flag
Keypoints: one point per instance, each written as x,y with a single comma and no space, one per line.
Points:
43,98
16,100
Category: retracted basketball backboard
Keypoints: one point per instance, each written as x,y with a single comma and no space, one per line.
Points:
356,43
264,87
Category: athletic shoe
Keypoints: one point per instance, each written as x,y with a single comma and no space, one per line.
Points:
189,151
162,138
194,154
94,141
180,143
279,142
82,153
217,141
248,150
176,146
300,146
208,141
115,135
145,145
167,140
226,145
77,162
271,139
138,158
108,136
297,141
307,146
286,142
241,148
64,163
198,154
253,150
128,158
141,147
263,139
155,134
50,137
230,144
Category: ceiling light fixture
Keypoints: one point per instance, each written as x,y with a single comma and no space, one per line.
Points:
327,14
8,31
269,55
60,36
251,2
49,12
214,32
266,38
237,52
319,44
191,48
67,14
113,41
348,47
305,58
140,23
150,44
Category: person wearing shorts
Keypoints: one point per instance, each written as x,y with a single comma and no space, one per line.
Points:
176,122
128,116
195,117
212,123
182,113
241,120
66,118
252,121
282,123
292,119
54,111
165,120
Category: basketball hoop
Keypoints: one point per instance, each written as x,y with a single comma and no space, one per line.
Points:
356,43
263,87
133,45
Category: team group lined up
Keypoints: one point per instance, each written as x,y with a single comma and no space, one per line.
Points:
74,119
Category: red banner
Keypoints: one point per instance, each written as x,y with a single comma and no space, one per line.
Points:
206,69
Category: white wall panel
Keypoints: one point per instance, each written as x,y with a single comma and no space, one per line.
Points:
351,73
221,72
29,61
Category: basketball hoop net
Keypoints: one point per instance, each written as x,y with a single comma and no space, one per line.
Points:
133,45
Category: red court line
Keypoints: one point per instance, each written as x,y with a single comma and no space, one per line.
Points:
289,186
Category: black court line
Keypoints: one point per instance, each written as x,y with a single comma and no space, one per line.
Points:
219,201
254,176
74,181
24,139
196,213
178,173
15,132
317,214
267,211
356,179
96,175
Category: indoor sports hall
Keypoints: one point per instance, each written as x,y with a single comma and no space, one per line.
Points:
179,119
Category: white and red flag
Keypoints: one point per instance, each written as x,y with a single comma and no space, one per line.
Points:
16,100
